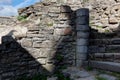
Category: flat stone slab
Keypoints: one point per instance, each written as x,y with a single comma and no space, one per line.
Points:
87,78
110,66
108,77
80,74
76,73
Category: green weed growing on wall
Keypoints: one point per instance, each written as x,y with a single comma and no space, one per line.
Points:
21,18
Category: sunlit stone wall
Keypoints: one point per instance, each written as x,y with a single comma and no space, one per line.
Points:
48,43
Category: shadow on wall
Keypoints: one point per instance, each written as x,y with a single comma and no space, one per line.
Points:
65,53
16,61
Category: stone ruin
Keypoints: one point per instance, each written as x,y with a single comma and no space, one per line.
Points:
57,34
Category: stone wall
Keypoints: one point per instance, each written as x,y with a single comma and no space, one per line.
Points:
7,20
49,44
50,40
105,15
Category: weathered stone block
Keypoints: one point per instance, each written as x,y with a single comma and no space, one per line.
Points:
115,41
82,34
111,48
64,16
50,61
53,15
54,9
67,31
37,44
82,12
33,28
81,56
66,22
79,63
82,49
41,61
113,20
82,20
81,42
110,66
35,39
48,44
34,35
26,42
59,31
51,53
49,67
65,8
82,27
95,49
39,53
63,31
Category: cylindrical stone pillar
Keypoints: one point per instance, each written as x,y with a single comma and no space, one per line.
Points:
82,28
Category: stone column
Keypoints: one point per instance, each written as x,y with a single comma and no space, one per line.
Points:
82,28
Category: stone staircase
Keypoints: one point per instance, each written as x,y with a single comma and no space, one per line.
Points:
104,51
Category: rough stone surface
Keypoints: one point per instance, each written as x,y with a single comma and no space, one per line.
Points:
46,39
77,74
108,77
40,43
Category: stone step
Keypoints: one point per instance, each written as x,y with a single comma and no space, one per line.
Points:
106,54
104,48
112,48
114,41
110,66
97,35
96,49
113,57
